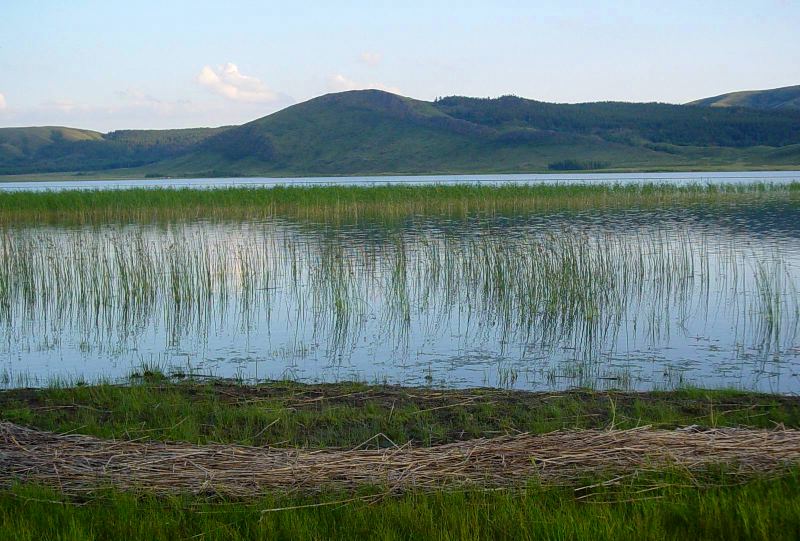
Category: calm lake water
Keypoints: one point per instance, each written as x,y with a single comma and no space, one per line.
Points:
746,177
635,299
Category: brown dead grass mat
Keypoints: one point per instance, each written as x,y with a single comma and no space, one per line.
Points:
79,465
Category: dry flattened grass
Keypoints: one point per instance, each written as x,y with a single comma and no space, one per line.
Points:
79,465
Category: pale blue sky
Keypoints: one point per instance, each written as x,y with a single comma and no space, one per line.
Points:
132,64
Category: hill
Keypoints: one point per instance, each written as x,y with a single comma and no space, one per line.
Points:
375,132
55,148
786,98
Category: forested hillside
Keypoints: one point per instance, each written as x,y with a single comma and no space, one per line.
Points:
631,122
375,132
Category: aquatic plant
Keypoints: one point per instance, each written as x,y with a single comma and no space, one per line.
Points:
528,291
359,203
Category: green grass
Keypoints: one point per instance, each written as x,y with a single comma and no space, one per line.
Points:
352,203
763,509
785,98
347,414
654,505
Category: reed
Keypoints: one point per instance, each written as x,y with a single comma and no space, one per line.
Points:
568,288
78,465
343,203
706,501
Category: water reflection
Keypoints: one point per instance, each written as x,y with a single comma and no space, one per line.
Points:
634,299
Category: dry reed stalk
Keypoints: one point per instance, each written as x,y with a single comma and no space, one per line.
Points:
78,464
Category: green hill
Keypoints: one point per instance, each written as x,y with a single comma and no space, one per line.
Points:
19,142
53,148
786,98
375,132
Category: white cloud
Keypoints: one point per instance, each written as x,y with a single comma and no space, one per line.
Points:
3,103
340,83
229,82
370,58
137,108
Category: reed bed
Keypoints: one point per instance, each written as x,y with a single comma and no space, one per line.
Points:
354,203
567,287
78,465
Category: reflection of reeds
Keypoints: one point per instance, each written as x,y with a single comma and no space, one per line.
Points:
569,288
776,307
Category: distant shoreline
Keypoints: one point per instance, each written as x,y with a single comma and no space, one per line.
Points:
75,176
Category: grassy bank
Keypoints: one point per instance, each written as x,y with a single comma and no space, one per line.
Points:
349,203
348,414
653,505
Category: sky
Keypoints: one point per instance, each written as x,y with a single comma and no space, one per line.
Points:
108,65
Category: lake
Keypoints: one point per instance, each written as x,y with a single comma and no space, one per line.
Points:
743,177
639,298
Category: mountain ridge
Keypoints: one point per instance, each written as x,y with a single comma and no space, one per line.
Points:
784,98
377,132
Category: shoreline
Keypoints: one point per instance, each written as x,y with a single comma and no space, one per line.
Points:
110,175
222,460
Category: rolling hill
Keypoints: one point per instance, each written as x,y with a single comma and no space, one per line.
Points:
55,148
376,132
786,98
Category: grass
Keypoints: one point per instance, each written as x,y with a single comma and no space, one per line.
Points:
343,203
768,509
657,505
348,414
654,505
